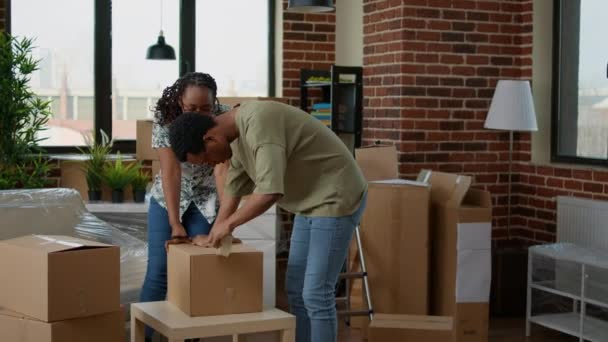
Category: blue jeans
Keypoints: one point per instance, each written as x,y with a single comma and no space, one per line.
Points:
159,231
318,250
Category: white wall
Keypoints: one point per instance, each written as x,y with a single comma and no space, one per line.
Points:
349,32
542,51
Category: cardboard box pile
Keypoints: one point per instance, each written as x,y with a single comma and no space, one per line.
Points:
450,228
59,288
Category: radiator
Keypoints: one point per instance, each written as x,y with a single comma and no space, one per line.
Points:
583,222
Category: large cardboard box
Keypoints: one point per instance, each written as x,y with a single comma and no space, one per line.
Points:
402,328
395,240
15,327
143,146
395,236
53,278
461,253
201,282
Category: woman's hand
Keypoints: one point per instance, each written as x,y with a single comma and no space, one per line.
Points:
178,231
176,241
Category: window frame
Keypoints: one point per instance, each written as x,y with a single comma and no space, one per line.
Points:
556,156
103,63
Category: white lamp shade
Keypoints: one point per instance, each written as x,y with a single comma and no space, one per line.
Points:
512,107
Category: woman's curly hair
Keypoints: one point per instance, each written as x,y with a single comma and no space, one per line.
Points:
168,106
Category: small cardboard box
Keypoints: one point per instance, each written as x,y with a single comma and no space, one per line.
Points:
401,328
100,328
202,283
395,235
143,146
54,278
461,253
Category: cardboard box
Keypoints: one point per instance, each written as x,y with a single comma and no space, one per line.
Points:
54,278
401,328
461,253
201,282
143,146
101,328
395,236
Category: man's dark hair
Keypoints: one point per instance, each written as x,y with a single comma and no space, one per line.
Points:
168,108
186,134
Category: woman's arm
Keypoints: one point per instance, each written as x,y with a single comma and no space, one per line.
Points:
171,172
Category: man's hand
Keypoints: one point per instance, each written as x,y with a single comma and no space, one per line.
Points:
218,232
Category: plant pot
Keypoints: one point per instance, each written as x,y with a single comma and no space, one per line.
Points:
117,196
94,195
139,196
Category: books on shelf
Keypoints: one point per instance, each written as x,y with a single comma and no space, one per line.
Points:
322,111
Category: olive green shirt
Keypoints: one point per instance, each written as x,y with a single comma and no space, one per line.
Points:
284,150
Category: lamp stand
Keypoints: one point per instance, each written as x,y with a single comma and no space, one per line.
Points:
509,186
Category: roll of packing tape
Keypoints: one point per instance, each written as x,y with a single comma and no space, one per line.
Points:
226,246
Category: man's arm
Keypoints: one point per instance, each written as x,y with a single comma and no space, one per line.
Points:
256,205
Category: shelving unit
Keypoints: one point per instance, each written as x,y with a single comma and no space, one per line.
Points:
344,92
577,274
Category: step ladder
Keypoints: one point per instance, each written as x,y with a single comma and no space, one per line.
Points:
349,276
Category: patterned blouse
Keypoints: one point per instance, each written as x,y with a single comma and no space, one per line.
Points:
198,181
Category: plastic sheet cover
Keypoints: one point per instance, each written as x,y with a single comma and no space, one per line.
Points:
563,276
62,212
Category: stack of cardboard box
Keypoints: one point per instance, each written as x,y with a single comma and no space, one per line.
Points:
427,248
59,288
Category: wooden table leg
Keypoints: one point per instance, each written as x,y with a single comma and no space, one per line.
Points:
138,330
288,335
175,340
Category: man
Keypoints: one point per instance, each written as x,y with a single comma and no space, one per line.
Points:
281,154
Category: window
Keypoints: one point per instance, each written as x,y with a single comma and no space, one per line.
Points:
236,54
93,66
136,81
65,75
580,94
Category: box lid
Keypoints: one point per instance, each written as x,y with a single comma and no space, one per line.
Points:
412,322
446,188
378,162
53,243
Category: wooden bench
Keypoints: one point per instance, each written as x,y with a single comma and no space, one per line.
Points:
171,322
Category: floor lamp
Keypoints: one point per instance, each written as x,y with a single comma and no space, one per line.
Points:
512,110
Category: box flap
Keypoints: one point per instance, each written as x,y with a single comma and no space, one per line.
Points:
412,322
400,182
11,313
378,162
446,188
198,250
53,243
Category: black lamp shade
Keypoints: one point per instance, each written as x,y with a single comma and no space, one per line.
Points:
160,50
310,6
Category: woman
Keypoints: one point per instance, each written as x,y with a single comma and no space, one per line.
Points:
185,196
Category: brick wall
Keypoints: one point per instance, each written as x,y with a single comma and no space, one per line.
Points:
308,43
2,14
430,70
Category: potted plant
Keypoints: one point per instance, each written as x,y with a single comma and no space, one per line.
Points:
23,116
97,154
117,175
139,184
